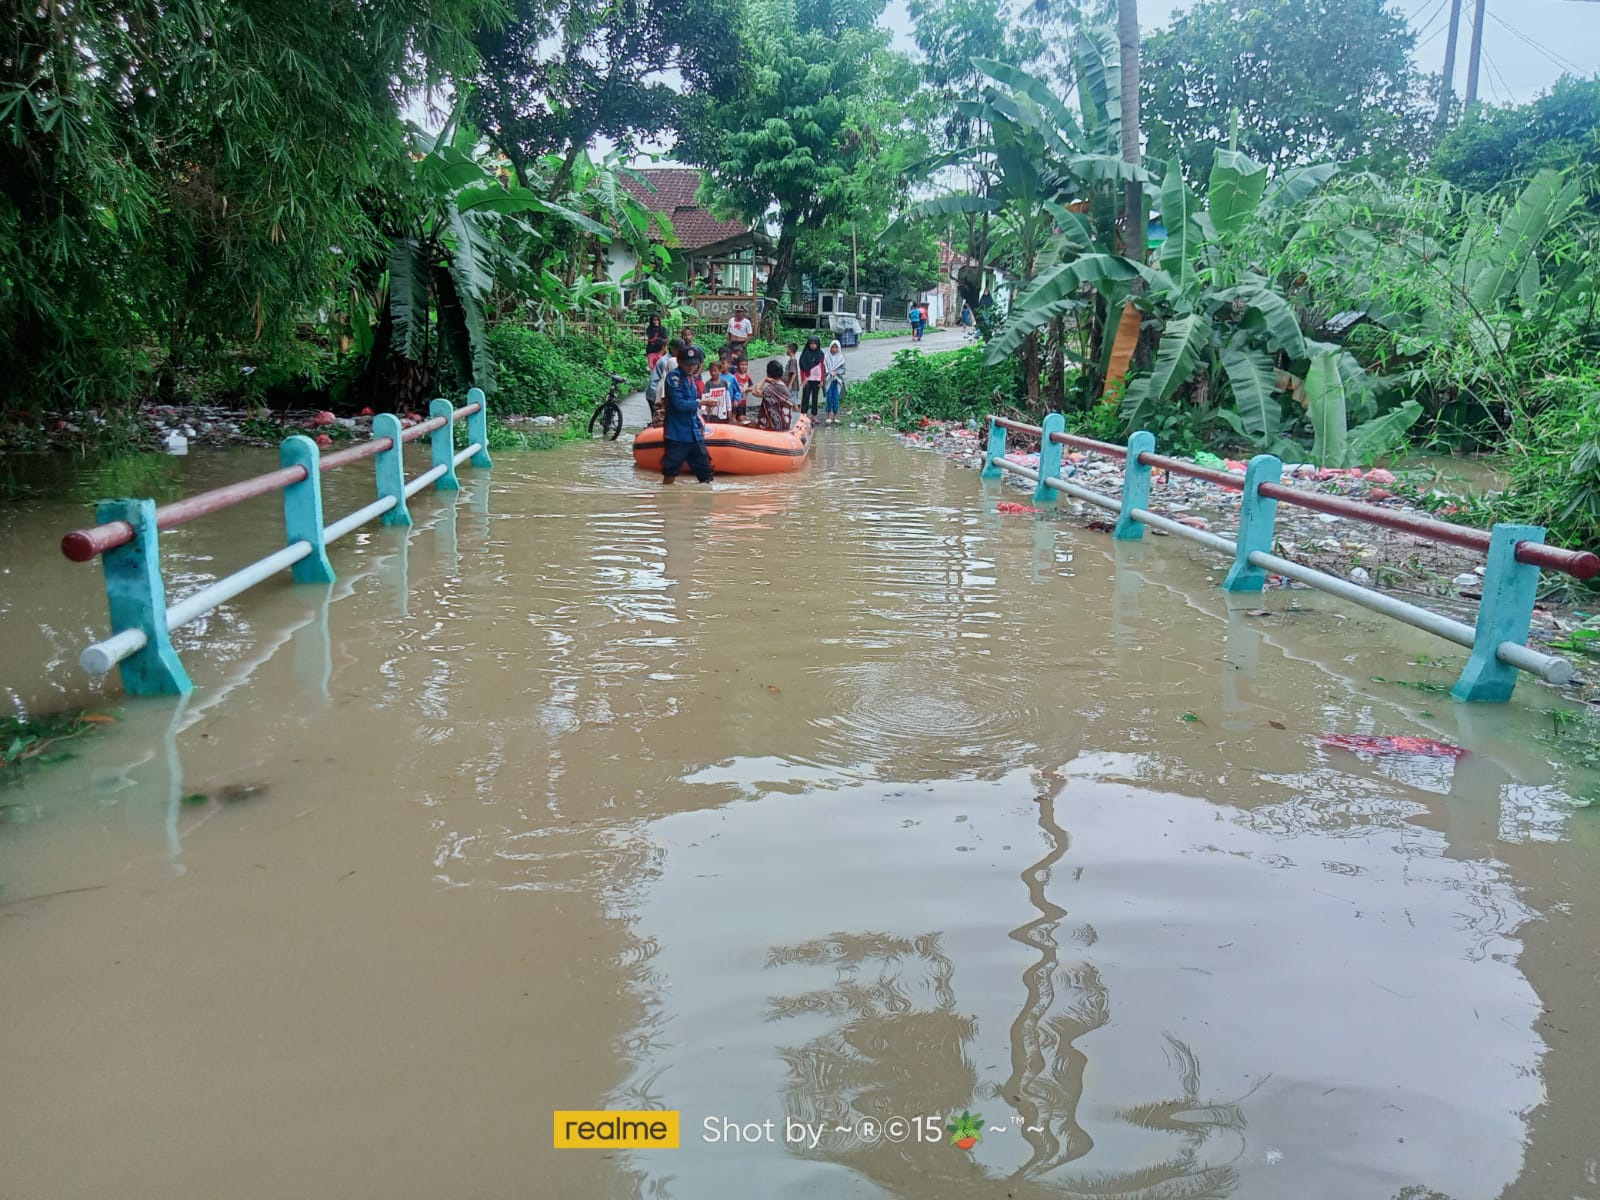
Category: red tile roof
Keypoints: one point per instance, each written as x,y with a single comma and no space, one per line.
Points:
674,198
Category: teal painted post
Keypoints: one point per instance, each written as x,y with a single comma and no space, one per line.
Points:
1135,487
302,509
137,599
1504,614
391,469
996,449
1049,457
1257,515
444,447
478,428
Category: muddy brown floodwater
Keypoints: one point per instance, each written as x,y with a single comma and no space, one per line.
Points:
835,800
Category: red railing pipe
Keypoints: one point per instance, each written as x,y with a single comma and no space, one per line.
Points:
1109,449
425,428
1580,564
81,545
356,453
1178,467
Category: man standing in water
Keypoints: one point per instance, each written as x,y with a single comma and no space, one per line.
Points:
683,440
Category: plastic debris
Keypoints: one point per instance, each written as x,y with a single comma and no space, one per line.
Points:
1205,458
1363,743
1379,475
1360,575
1466,579
1011,506
176,443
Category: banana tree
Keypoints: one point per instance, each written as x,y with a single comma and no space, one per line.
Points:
456,231
1050,177
1459,285
1231,345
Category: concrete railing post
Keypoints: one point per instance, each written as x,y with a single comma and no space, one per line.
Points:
478,428
1257,516
302,509
1504,614
391,468
444,446
1049,457
996,449
137,599
1135,487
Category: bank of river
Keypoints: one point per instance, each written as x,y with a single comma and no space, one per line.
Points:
835,798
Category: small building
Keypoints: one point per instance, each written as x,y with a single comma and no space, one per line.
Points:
718,263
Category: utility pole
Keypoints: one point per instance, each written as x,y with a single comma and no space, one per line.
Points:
1475,55
855,274
1447,92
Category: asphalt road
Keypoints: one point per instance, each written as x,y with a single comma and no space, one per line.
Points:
863,360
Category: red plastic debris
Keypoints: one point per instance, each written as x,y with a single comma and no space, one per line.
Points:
324,440
1011,506
323,418
365,412
1379,475
1361,743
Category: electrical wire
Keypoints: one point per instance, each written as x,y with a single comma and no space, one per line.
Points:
1564,63
1438,9
1494,73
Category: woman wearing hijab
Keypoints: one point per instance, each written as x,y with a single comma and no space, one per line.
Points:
833,372
811,374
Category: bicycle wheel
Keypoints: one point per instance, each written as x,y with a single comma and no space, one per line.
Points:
594,420
611,420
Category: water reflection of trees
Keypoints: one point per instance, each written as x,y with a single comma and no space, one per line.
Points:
897,1046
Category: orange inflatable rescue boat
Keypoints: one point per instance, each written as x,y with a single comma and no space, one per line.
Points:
737,449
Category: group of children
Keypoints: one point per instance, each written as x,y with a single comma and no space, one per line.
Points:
725,387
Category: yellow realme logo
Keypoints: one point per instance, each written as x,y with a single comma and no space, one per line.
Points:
616,1130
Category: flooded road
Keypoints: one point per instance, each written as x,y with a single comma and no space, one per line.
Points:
838,801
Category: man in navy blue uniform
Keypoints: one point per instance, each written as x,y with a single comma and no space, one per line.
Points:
684,437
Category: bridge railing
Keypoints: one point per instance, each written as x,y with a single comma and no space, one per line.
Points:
1515,553
127,538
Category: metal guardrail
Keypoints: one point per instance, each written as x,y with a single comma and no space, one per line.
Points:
1511,579
127,536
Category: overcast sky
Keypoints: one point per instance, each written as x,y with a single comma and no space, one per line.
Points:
1527,44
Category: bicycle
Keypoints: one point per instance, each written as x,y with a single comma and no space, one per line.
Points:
608,413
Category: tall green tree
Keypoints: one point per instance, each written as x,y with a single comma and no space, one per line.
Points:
1052,187
897,261
951,36
814,132
1492,146
173,175
561,73
1335,82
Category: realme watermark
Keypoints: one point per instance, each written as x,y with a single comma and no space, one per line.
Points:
577,1130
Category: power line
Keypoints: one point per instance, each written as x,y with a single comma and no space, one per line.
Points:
1494,73
1428,24
1563,63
